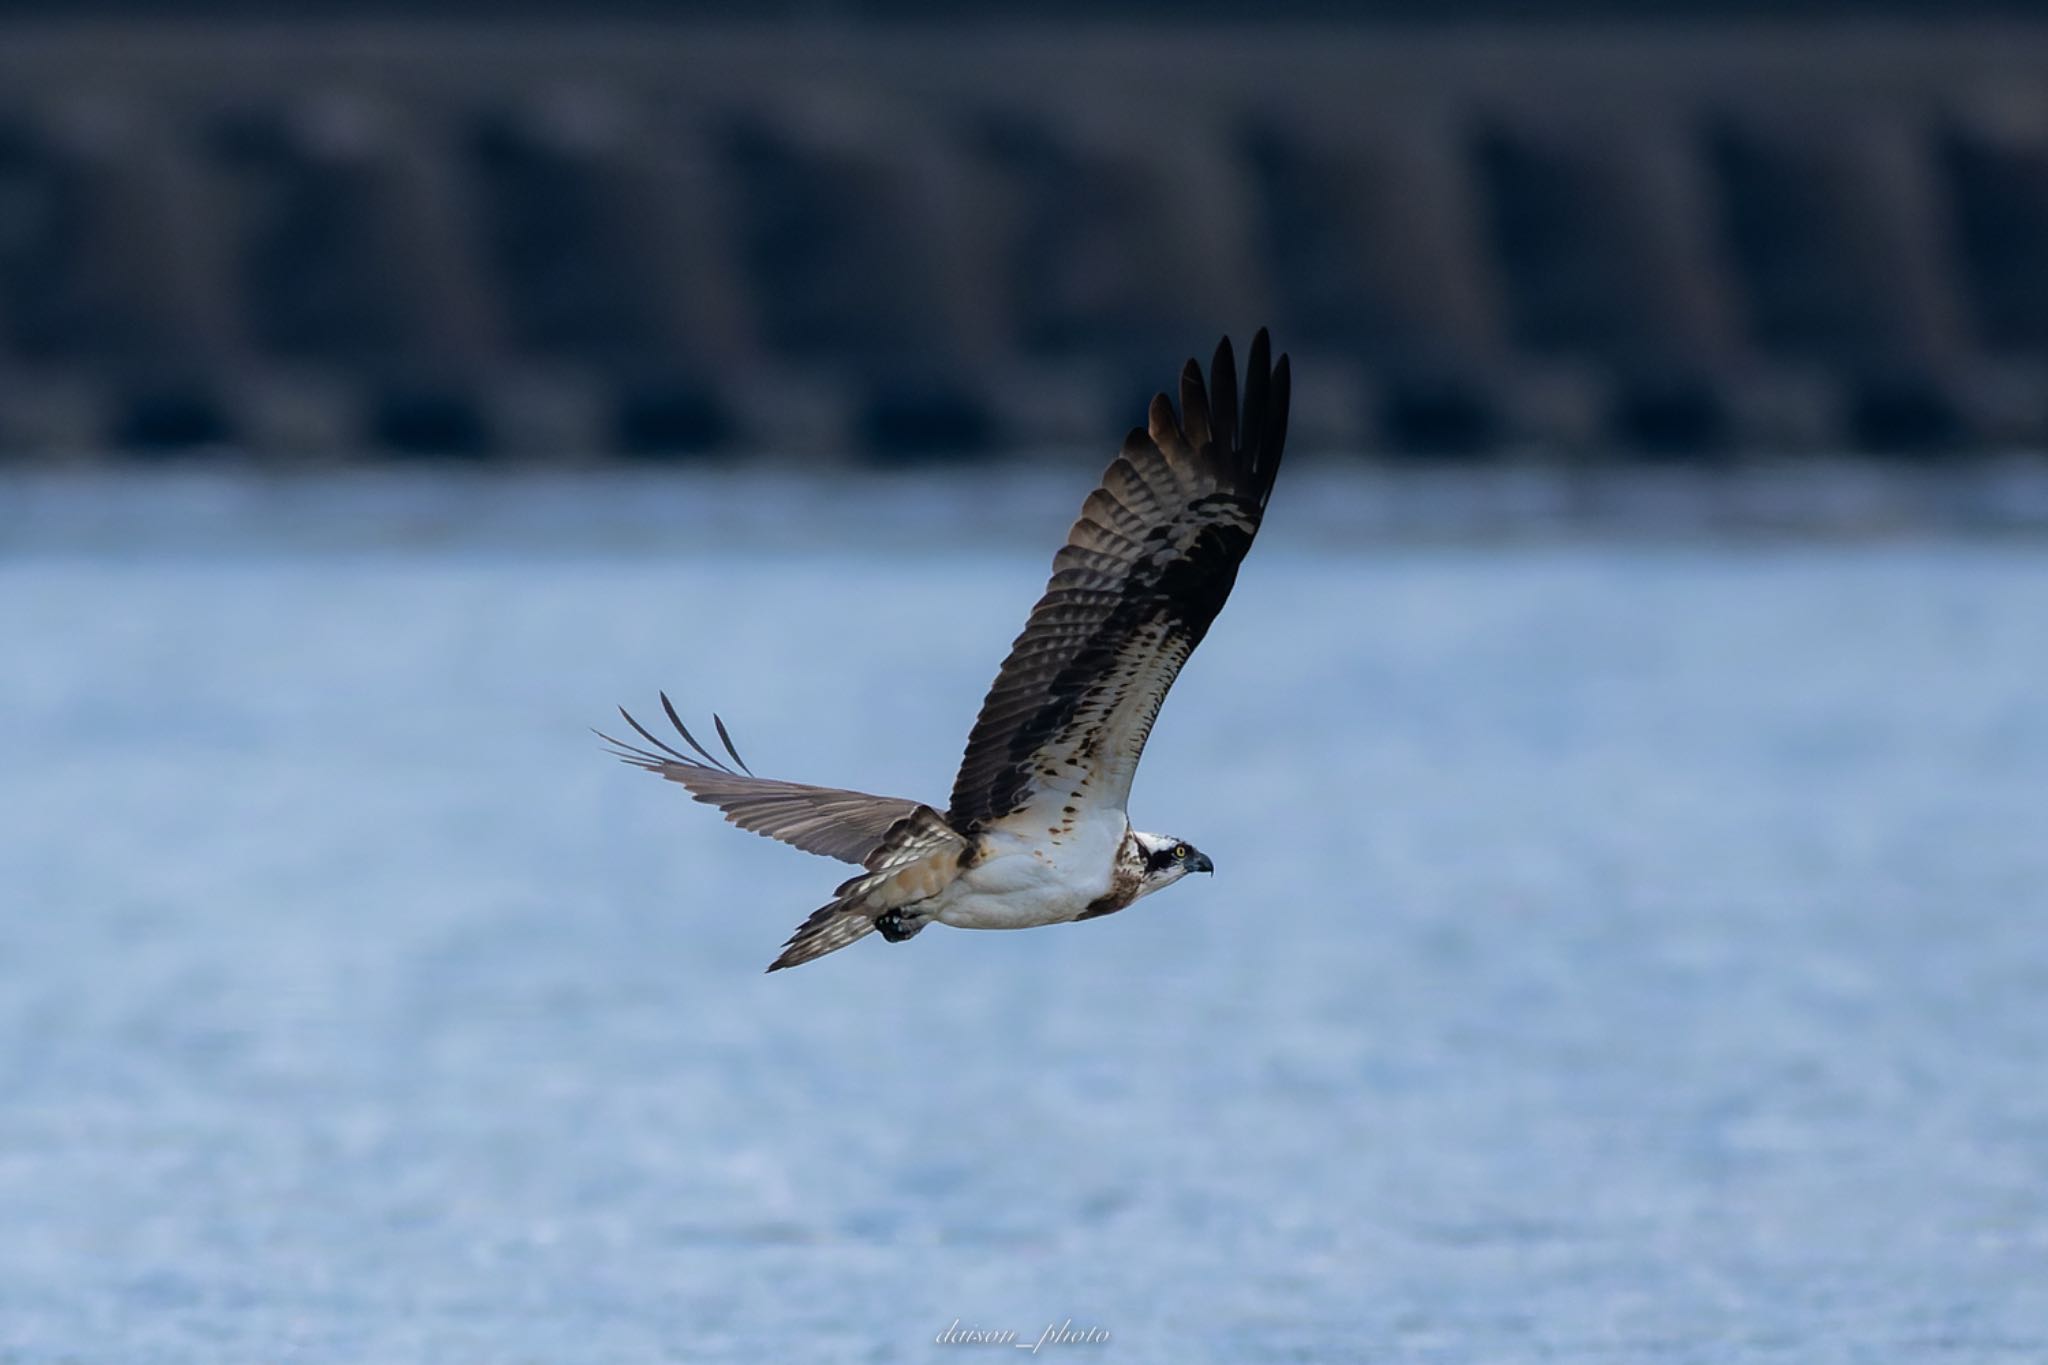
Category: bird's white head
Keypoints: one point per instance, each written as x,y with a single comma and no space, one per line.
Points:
1167,860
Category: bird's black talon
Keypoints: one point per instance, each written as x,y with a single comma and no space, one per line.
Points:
894,928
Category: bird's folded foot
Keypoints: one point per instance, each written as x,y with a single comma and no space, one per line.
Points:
897,926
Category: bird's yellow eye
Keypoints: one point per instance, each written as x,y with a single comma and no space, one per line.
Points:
1180,850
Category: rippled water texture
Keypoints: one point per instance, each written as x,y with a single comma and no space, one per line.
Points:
1618,952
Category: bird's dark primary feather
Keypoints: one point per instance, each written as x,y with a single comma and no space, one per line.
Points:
1144,572
829,821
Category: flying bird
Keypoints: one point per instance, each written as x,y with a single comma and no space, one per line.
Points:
1036,831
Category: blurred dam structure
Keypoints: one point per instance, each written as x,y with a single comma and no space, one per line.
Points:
563,241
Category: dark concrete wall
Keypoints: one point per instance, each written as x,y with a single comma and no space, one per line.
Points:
1679,241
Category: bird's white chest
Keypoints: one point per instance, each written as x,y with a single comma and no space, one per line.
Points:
1021,882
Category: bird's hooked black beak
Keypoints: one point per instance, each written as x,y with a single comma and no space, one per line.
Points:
1200,863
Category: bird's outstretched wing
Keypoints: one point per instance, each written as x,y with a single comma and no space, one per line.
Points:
918,858
838,824
1142,575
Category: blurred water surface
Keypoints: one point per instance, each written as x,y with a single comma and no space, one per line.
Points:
1618,952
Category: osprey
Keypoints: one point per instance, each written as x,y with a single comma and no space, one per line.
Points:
1035,832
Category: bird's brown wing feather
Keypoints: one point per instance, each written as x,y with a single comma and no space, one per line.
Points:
829,821
1144,572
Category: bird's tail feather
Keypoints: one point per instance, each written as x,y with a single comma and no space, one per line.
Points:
830,928
919,856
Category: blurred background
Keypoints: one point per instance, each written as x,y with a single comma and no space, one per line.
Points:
658,231
1624,753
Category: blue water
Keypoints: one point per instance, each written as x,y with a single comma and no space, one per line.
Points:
1619,952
